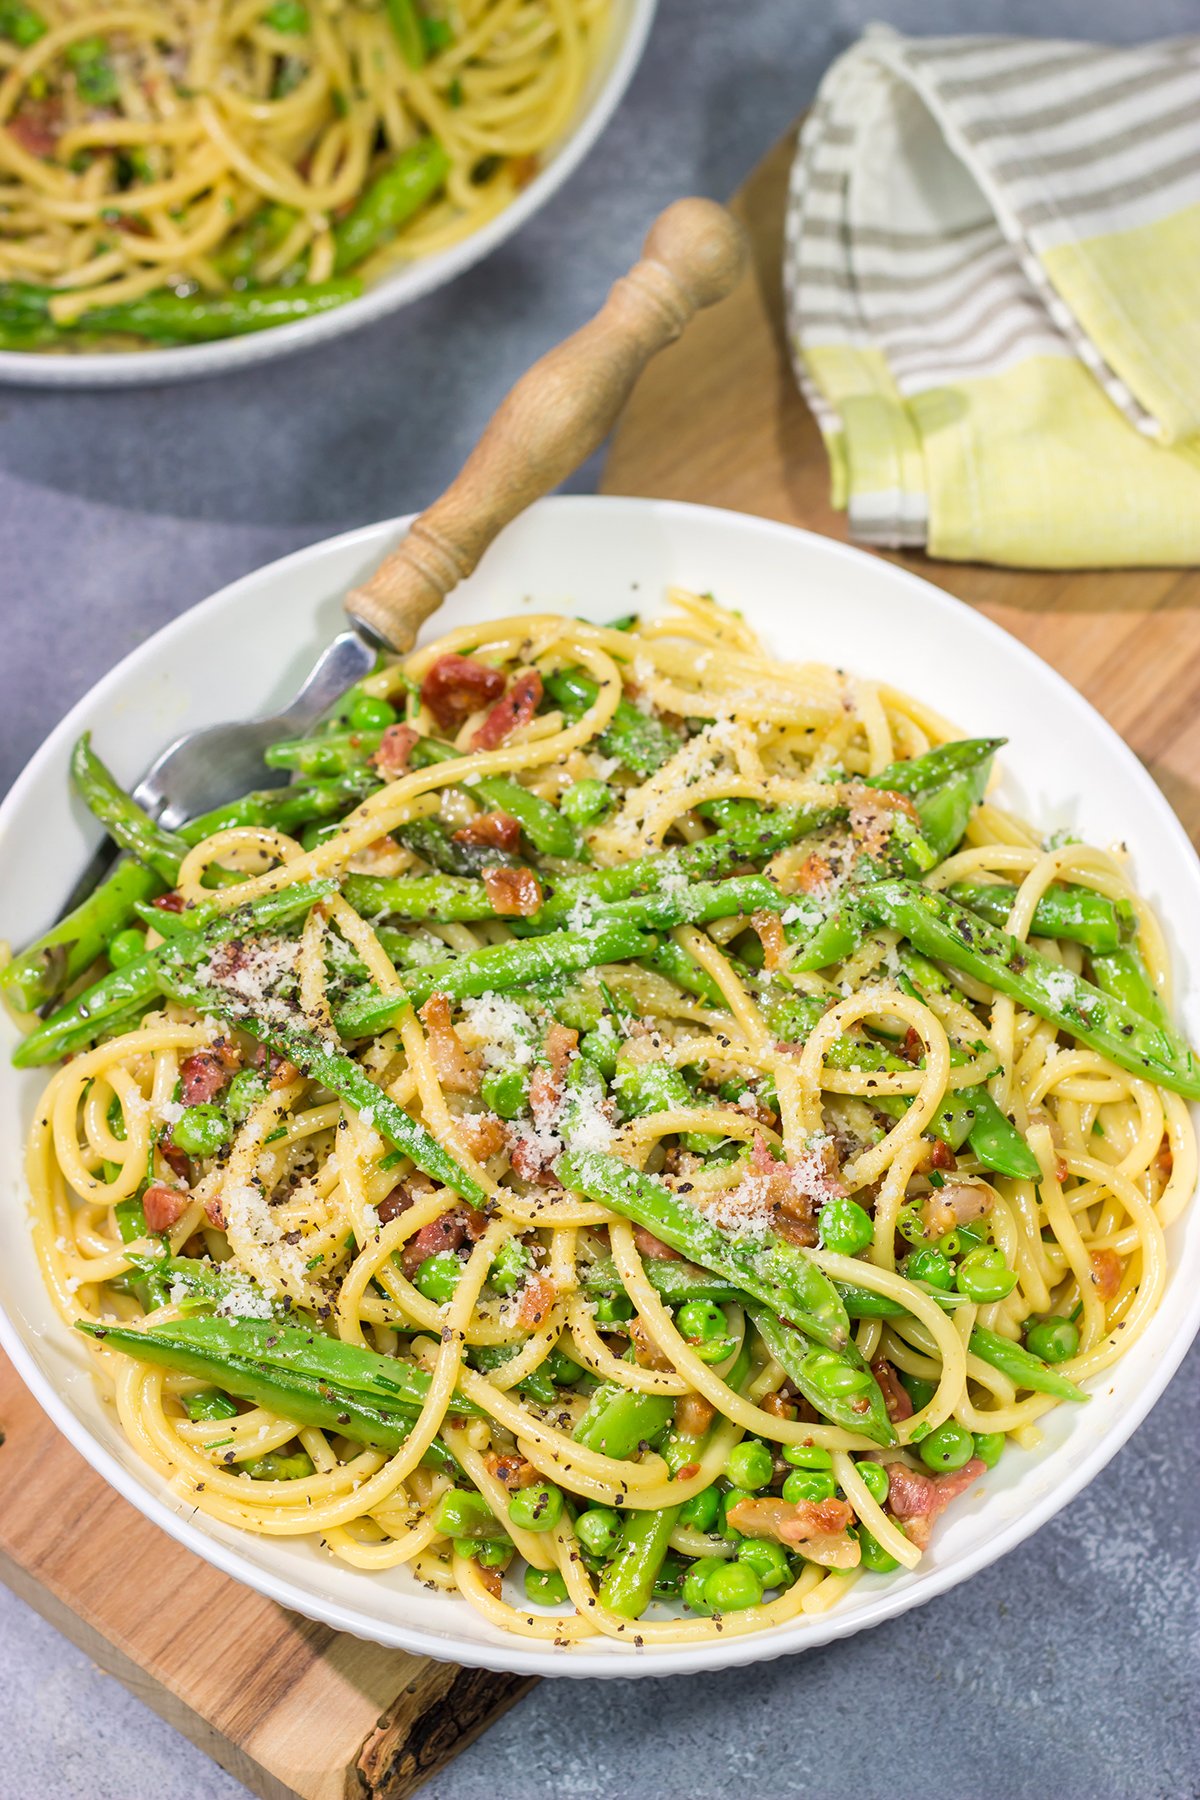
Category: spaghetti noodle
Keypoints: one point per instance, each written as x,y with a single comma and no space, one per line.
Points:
573,1153
189,168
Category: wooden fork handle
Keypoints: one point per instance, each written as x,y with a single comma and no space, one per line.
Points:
555,416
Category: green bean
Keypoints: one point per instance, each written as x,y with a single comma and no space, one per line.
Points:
137,983
772,1270
675,1282
642,742
495,969
673,961
316,1058
166,317
1076,913
406,27
628,1585
263,232
618,1421
308,1400
548,830
125,821
330,753
1122,974
951,934
1021,1365
446,898
285,808
147,1284
997,1143
431,841
95,75
918,775
57,958
20,24
838,1383
209,1284
645,1088
398,192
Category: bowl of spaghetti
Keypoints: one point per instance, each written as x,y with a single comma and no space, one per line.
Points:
186,189
657,1148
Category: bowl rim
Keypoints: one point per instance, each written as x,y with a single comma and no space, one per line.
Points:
396,288
523,1656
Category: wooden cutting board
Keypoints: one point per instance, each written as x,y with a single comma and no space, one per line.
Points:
292,1708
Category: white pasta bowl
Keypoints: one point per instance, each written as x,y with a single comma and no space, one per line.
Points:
809,598
618,53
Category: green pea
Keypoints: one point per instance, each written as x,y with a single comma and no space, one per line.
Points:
545,1587
561,1368
1054,1340
505,1092
930,1266
536,1508
369,714
983,1275
715,1351
279,1465
510,1267
700,1321
246,1091
599,1529
919,1391
962,1239
586,801
613,1309
694,1583
845,1227
600,1047
875,1480
807,1456
464,1513
874,1557
200,1130
910,1223
438,1276
289,16
494,1554
702,1510
949,1447
749,1465
126,947
835,1377
768,1561
809,1484
733,1587
989,1446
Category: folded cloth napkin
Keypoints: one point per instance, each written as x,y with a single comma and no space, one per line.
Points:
993,282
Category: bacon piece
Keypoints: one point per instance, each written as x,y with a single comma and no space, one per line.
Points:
814,874
779,1405
214,1212
1164,1160
457,1071
177,1160
913,1048
483,1134
395,748
446,1232
37,126
941,1156
918,1499
957,1204
896,1396
560,1046
649,1245
393,1205
513,893
489,1578
646,1352
509,714
282,1072
164,1206
537,1297
1106,1273
545,1089
873,816
172,902
694,1414
512,1472
494,830
457,686
769,931
788,1523
202,1074
530,1161
801,1231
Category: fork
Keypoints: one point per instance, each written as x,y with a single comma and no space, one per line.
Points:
559,411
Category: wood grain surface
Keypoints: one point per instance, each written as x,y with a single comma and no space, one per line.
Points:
718,418
292,1708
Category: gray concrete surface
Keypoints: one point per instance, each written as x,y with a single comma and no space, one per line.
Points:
1071,1668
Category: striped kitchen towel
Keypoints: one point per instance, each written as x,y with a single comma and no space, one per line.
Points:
993,283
